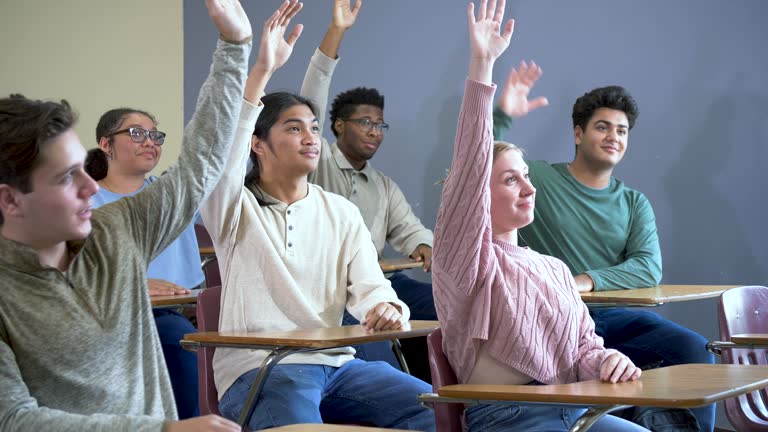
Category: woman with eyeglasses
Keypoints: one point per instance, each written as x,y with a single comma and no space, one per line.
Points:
130,147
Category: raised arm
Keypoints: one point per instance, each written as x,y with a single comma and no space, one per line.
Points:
317,80
165,208
463,247
222,210
513,101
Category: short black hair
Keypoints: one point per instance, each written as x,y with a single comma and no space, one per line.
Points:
613,97
346,102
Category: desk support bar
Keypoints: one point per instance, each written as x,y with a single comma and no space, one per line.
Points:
592,415
398,349
717,347
269,362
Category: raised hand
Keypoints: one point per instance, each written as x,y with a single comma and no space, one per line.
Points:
274,49
230,18
487,40
514,96
344,14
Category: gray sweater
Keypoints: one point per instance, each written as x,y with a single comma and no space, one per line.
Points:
79,351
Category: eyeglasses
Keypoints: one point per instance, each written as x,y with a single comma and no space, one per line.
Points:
368,125
139,135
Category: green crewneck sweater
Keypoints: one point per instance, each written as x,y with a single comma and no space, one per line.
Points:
79,351
609,233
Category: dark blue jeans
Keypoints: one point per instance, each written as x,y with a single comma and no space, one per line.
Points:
369,392
651,340
418,296
182,364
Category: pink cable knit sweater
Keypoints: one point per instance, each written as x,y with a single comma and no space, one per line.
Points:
519,306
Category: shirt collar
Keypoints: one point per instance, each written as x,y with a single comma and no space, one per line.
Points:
344,164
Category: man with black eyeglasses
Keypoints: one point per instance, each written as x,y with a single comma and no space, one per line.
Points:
357,122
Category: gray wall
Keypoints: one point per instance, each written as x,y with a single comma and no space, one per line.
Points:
696,68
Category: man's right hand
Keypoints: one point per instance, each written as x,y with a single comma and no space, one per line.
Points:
209,423
514,96
230,19
344,14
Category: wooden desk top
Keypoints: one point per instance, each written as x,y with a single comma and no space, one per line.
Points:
394,264
680,386
750,339
175,300
330,337
387,265
329,428
655,296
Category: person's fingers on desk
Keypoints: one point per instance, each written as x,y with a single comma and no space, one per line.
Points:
618,368
383,316
160,287
209,423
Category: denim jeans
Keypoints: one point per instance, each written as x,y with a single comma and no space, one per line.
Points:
358,392
537,418
181,364
649,340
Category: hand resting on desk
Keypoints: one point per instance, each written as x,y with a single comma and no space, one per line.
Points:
383,316
160,287
619,368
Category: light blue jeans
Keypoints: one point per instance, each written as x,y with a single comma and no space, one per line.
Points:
537,418
373,393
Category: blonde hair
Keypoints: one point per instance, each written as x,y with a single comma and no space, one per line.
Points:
500,147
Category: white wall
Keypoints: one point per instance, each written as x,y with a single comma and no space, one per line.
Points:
86,51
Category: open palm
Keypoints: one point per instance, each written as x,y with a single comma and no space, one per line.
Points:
344,14
275,49
486,38
514,96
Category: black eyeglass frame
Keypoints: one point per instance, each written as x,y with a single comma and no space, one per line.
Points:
157,137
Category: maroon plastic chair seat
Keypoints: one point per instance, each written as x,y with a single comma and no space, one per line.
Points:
210,264
745,310
447,415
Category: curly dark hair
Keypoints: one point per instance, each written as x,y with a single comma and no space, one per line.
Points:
613,97
346,102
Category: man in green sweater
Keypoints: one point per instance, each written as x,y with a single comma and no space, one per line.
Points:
79,350
603,230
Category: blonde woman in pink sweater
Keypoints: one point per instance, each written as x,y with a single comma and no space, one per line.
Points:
509,315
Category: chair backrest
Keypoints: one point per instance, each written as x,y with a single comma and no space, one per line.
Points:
209,264
203,238
447,415
745,310
208,304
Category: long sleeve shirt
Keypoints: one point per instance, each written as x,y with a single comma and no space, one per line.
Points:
79,350
519,307
179,263
609,234
287,267
382,204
